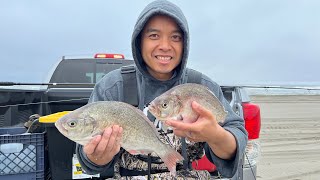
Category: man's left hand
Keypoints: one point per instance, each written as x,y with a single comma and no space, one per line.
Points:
204,129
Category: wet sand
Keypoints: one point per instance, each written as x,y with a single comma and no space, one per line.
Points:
290,137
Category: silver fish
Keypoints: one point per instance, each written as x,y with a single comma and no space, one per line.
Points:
176,103
139,134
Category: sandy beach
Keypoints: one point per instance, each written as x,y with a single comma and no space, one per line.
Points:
290,137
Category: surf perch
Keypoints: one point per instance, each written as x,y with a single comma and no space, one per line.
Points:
139,134
176,103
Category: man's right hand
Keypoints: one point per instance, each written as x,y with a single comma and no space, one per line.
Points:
102,148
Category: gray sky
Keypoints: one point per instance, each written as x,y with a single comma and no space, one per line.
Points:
233,42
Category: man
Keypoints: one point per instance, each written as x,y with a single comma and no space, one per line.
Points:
160,47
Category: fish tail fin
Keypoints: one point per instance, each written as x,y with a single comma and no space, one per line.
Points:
170,157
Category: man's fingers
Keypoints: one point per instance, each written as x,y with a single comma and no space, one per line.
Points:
200,109
112,139
91,146
179,133
203,112
179,128
179,125
119,137
104,142
117,144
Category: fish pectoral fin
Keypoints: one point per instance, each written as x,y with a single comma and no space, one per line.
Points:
179,117
140,151
133,152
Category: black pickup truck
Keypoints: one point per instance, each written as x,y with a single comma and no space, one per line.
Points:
69,86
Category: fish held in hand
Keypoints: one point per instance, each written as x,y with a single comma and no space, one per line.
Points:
176,103
139,134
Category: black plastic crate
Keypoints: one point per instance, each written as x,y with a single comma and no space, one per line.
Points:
60,159
21,154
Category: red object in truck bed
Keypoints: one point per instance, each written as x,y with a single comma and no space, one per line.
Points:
204,164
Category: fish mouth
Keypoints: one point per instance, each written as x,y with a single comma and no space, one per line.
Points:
152,109
60,127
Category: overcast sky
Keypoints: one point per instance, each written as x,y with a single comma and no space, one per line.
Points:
233,42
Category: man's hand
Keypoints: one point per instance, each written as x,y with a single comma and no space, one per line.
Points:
206,129
202,130
101,149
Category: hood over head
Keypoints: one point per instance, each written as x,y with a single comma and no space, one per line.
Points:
160,7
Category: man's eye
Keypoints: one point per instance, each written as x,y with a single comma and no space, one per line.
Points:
176,38
153,36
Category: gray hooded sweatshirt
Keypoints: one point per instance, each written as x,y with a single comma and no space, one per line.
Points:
110,87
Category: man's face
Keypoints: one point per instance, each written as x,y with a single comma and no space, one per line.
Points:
162,46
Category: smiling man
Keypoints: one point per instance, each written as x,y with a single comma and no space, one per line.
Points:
160,47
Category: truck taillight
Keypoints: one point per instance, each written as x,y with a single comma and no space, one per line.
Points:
113,56
251,115
252,119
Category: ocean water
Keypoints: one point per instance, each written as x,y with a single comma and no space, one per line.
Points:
285,88
283,91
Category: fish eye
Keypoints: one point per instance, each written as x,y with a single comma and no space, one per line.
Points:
72,123
164,105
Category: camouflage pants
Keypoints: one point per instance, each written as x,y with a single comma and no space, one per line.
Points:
132,162
181,175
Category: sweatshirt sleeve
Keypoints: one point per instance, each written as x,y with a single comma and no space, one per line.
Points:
91,168
235,125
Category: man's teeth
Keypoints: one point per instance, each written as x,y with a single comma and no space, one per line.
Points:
165,58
